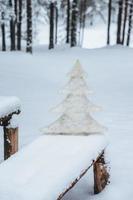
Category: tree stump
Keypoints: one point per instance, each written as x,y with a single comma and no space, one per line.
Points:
101,176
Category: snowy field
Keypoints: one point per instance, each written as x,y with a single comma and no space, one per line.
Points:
37,80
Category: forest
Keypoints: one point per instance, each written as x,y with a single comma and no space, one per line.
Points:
20,20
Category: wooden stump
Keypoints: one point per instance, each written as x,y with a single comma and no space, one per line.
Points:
101,176
10,141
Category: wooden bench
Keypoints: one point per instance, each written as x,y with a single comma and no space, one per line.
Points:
9,106
50,166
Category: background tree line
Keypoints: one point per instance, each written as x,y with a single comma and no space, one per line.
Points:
124,21
18,19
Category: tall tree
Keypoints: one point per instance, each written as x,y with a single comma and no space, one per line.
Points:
68,22
125,20
81,13
3,34
82,20
74,22
16,5
51,26
12,25
16,10
19,24
109,20
130,23
29,26
56,23
119,22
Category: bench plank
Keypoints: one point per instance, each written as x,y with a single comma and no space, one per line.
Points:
48,166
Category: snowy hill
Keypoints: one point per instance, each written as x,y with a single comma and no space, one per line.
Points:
36,79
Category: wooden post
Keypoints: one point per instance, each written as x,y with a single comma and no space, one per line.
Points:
10,141
101,176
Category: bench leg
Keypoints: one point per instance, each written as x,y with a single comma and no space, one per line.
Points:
101,176
10,141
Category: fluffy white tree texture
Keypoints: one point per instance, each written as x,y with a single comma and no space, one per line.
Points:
75,110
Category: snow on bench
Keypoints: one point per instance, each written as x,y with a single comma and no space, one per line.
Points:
9,107
46,169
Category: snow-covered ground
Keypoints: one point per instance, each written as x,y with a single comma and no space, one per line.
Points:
94,36
36,79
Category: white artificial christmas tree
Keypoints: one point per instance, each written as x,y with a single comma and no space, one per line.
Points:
75,110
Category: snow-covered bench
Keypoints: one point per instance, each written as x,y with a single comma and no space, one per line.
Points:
51,165
9,106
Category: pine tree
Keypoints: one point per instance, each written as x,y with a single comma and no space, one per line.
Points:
82,20
68,22
75,109
19,24
3,34
51,25
74,22
29,26
125,20
130,23
56,22
12,25
109,20
119,22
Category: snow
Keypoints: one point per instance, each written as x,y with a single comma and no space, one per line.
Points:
45,168
95,36
36,79
8,105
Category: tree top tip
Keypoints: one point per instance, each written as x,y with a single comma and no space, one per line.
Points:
77,63
77,70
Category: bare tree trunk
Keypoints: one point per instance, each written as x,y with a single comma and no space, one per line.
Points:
12,34
109,21
130,23
56,24
51,31
19,24
125,20
3,32
16,10
16,20
12,27
81,13
119,22
29,26
84,20
74,23
68,22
